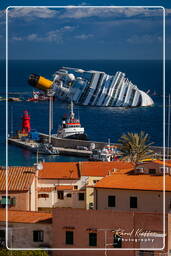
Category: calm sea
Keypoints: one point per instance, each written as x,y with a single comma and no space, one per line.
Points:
100,123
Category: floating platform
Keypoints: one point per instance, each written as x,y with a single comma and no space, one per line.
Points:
62,150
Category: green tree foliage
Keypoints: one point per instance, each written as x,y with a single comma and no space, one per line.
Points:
135,146
4,252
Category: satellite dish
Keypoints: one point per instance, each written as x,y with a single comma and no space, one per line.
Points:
57,77
39,166
71,77
92,146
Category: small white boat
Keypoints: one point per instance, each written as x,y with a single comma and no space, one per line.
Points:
107,154
45,148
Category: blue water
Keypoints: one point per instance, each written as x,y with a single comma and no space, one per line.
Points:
100,123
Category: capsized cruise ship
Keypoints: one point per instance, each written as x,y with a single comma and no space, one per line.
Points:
94,88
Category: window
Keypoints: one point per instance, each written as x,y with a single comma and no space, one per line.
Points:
117,241
5,201
92,239
43,196
164,169
152,171
61,195
69,237
111,201
81,196
170,204
139,170
69,195
133,202
145,253
2,238
38,235
75,187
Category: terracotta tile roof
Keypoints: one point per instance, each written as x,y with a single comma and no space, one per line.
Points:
73,170
167,162
68,170
137,182
45,189
64,187
24,216
19,178
103,168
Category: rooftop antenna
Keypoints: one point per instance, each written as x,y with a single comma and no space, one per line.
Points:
37,157
38,164
168,129
109,141
72,110
78,113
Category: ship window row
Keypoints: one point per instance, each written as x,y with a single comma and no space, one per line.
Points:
125,93
85,92
97,88
132,95
116,92
84,95
100,92
92,238
139,101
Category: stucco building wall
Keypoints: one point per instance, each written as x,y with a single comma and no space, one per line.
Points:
147,201
21,200
105,224
20,235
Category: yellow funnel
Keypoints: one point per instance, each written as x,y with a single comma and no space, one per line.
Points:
40,82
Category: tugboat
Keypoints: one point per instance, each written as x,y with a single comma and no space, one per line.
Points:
71,128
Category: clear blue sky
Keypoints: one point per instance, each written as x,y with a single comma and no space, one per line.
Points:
85,33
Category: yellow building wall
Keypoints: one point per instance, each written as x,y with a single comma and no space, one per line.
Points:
90,191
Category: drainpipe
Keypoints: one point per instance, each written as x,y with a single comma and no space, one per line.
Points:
36,187
29,200
96,198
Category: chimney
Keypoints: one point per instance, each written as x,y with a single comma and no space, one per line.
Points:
79,168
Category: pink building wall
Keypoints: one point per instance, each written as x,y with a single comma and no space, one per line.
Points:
81,222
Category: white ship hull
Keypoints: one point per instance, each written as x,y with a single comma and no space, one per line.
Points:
96,88
72,133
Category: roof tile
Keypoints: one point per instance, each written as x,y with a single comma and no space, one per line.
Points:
53,170
134,182
73,170
19,178
24,216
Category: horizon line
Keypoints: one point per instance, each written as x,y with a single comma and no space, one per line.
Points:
89,59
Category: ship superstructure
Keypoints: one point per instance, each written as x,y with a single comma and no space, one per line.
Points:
95,88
